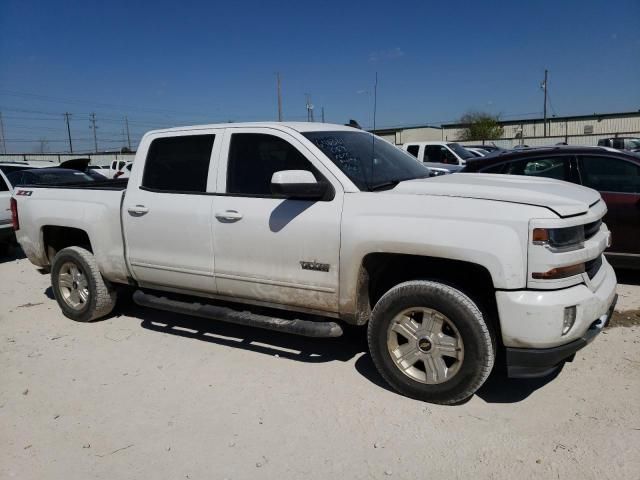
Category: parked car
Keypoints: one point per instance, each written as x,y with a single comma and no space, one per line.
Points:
125,172
621,143
488,148
115,167
47,176
439,154
102,170
615,174
326,225
477,152
7,237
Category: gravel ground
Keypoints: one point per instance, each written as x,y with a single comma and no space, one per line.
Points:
148,394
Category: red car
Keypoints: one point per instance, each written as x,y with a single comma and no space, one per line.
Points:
615,174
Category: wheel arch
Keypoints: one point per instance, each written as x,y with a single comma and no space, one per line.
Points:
381,271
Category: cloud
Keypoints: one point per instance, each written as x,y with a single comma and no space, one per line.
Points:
387,54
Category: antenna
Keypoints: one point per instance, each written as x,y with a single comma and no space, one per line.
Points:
373,137
279,98
126,124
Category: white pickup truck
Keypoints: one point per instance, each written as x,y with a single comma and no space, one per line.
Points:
326,225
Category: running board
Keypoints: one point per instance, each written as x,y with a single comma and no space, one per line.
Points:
306,328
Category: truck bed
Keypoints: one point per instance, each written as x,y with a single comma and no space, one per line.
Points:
93,208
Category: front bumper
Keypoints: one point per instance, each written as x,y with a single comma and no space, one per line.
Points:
538,362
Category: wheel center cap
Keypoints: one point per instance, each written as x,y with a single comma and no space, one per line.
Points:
75,285
424,344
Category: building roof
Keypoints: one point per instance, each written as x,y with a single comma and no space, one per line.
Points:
594,116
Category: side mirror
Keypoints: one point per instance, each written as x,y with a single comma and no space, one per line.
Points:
298,184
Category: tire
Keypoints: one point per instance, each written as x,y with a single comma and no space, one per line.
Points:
78,286
5,249
430,342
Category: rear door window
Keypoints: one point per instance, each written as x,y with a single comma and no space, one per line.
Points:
178,164
608,174
3,185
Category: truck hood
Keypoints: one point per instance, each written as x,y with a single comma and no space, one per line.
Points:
563,198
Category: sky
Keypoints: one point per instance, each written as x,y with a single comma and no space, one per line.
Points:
168,63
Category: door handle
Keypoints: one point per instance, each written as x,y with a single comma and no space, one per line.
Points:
138,210
229,216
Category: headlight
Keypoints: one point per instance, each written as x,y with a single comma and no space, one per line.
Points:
559,239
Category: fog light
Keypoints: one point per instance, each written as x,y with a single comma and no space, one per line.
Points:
569,319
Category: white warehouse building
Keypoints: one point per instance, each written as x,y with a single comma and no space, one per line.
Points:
574,130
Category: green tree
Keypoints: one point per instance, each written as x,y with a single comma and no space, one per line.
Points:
480,126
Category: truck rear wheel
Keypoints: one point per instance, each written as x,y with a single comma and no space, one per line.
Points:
430,342
80,290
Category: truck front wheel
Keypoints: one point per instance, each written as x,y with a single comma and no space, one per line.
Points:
80,290
430,342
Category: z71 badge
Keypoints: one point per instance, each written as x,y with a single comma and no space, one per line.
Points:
318,267
24,193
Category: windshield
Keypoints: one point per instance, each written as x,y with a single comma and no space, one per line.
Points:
358,153
459,150
633,143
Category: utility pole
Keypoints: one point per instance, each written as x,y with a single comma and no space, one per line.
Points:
309,108
322,114
94,128
544,87
66,120
126,123
4,141
279,98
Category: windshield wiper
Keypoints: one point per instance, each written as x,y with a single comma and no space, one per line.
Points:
383,185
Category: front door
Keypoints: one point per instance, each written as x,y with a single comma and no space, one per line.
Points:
167,213
267,248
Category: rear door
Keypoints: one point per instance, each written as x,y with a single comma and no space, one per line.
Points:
269,248
167,212
618,181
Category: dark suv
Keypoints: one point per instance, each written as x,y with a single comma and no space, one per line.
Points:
621,143
615,174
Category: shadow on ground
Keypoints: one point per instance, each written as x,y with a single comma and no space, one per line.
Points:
14,253
628,277
497,389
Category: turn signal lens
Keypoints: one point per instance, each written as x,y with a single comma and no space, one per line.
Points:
560,272
540,235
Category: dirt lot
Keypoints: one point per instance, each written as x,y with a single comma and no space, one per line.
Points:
160,396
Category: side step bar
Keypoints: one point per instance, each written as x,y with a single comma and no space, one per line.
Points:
306,328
